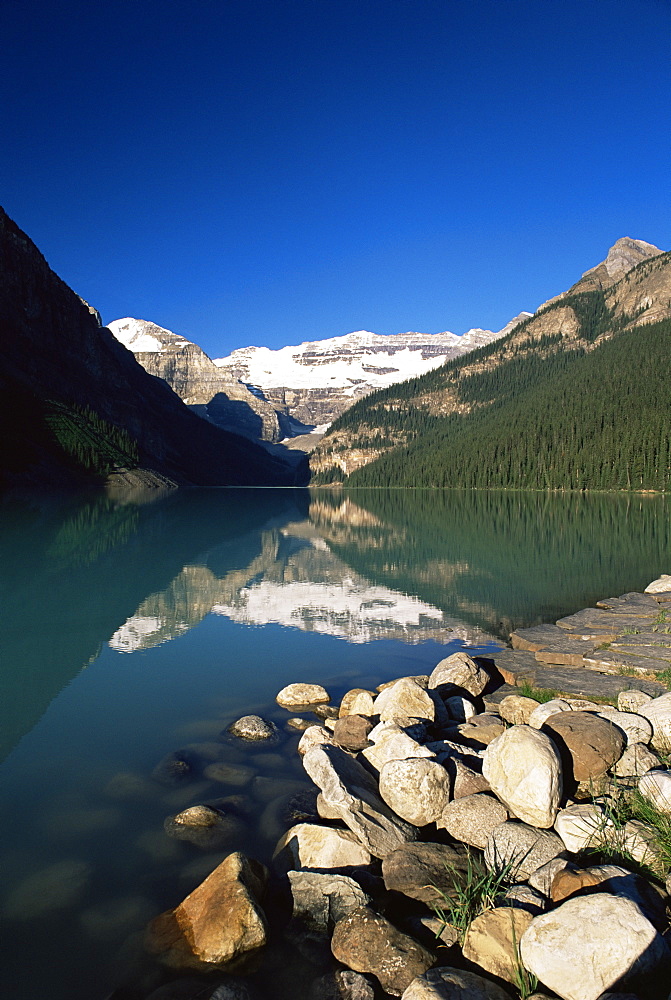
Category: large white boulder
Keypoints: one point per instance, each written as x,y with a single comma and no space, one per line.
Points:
352,793
416,789
589,943
655,786
524,770
658,711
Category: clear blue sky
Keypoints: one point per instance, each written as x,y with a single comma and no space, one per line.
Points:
272,171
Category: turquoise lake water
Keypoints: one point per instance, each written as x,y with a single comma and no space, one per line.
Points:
133,627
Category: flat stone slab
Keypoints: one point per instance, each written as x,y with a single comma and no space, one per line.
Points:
585,683
536,637
590,618
652,640
515,665
631,602
567,652
611,661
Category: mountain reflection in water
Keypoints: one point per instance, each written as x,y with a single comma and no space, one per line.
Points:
360,565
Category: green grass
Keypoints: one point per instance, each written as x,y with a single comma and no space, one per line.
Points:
543,695
472,892
525,981
538,694
625,805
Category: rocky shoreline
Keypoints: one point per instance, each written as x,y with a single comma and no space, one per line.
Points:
462,839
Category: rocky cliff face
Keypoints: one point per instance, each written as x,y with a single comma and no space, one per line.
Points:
211,392
623,256
317,381
66,384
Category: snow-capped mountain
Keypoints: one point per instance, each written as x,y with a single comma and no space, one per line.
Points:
315,381
280,393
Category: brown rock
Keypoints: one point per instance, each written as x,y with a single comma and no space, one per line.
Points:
424,871
351,732
589,745
465,781
366,942
570,880
219,924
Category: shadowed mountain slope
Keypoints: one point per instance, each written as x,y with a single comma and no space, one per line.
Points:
75,406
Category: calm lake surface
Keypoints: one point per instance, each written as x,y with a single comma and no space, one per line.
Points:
135,627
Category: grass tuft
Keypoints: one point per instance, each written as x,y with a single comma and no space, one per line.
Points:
473,892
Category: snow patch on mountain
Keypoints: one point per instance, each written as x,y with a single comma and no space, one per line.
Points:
355,359
139,335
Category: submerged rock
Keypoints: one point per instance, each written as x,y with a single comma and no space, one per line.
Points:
253,727
56,887
204,826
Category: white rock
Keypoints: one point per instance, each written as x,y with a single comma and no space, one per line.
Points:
517,709
392,744
358,701
459,671
589,943
521,848
301,694
404,699
582,825
523,767
581,705
308,845
636,728
320,900
659,586
350,790
631,700
416,789
460,709
314,736
445,983
636,760
544,711
543,877
472,818
655,787
638,839
658,711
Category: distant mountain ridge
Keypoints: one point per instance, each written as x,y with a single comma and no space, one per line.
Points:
275,394
576,396
314,382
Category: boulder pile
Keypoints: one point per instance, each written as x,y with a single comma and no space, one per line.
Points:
471,843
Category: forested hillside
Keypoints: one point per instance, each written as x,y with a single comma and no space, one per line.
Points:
576,397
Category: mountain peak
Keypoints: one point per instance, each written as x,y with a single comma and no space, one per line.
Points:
624,254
